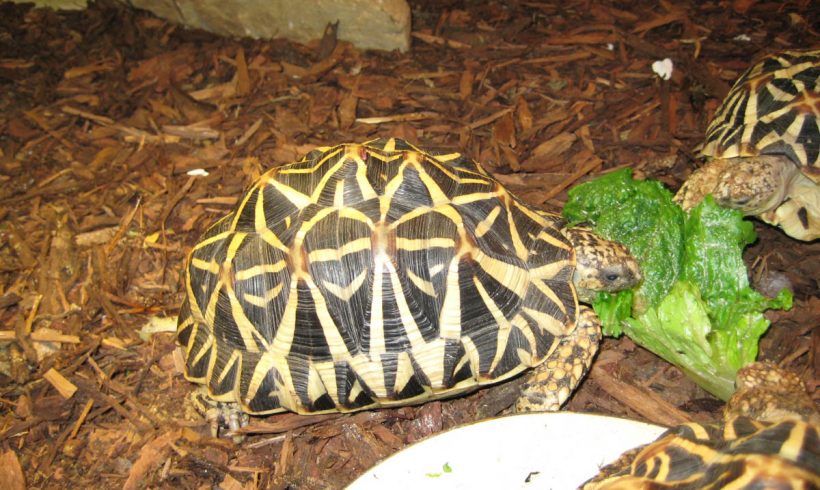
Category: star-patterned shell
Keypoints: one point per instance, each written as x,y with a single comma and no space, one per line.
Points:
772,109
369,275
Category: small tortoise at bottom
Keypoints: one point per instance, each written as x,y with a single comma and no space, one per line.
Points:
379,274
763,146
768,440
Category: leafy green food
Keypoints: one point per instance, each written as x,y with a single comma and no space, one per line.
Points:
640,214
695,307
445,468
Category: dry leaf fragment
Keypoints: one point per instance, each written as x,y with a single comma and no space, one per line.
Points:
248,134
585,162
194,131
347,110
231,483
329,40
413,116
150,456
510,158
63,386
796,19
545,155
522,112
220,91
318,68
504,131
95,237
157,324
11,473
438,40
406,132
465,84
742,6
15,64
671,17
555,146
589,38
114,342
586,139
46,334
103,66
491,118
243,79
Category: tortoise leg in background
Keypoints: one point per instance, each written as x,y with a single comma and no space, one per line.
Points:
798,216
549,385
755,185
752,185
770,187
700,183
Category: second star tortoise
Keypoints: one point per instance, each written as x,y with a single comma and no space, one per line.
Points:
767,440
379,274
762,146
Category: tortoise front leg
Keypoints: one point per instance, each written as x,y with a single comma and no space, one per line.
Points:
752,185
701,183
755,185
550,383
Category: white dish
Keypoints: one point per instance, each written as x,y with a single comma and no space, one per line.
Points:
529,451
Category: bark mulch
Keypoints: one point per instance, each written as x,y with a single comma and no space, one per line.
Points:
122,137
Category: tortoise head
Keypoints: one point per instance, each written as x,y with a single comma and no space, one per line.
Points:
600,265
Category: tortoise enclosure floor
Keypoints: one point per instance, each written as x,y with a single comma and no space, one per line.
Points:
103,114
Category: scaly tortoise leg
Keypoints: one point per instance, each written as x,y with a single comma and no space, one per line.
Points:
550,384
702,182
220,415
755,185
752,185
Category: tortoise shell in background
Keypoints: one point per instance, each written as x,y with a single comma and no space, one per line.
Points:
767,440
762,146
772,108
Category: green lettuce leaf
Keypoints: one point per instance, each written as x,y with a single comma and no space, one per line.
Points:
679,331
713,252
695,307
640,214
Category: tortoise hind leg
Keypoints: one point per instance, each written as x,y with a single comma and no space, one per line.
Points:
798,216
224,418
550,383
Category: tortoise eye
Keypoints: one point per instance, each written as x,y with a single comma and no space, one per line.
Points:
611,277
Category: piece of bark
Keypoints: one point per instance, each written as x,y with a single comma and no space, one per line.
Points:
11,473
645,402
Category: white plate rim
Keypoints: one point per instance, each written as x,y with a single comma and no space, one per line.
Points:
423,462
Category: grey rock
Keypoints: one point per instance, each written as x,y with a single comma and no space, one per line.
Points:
368,24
